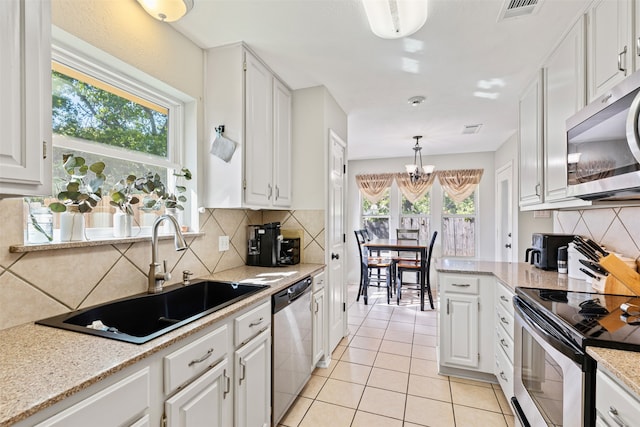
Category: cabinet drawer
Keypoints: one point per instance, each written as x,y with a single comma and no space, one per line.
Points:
614,403
505,319
115,405
505,298
252,323
318,282
505,342
465,284
194,358
504,373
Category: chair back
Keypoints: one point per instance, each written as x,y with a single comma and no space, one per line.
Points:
430,250
409,235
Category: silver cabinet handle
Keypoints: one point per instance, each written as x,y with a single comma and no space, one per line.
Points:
243,370
613,413
203,358
504,320
537,189
638,46
227,384
503,376
277,192
503,298
504,343
620,56
256,323
270,191
447,305
461,285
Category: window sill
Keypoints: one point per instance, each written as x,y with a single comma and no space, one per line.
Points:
95,242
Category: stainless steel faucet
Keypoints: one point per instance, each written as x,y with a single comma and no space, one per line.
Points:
157,278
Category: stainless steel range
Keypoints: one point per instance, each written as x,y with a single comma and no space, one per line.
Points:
554,380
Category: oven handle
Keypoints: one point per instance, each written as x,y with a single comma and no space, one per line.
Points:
540,325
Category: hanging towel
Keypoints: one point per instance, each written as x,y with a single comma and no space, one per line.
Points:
223,147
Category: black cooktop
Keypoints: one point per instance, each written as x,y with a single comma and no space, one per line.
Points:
590,319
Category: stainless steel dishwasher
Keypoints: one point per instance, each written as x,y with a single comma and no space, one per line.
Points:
292,345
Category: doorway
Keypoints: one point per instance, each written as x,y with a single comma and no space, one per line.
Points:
504,214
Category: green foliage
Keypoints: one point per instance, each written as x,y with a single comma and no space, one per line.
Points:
80,190
123,194
380,208
421,206
466,207
84,111
157,194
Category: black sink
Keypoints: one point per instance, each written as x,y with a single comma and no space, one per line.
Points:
143,317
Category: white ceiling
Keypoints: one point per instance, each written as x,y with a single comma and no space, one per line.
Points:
461,50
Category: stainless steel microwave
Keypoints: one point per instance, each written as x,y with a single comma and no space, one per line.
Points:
603,145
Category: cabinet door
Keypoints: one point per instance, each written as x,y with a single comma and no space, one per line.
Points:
281,144
25,111
460,330
610,44
564,84
258,133
206,401
253,382
318,325
531,144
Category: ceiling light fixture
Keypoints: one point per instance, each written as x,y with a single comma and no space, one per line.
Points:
167,10
393,19
416,170
416,100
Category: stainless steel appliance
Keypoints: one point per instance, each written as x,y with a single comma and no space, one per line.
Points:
263,247
292,345
544,249
554,381
603,145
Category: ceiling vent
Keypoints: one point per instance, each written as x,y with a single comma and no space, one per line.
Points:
518,8
471,129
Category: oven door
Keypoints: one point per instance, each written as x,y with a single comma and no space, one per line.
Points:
549,382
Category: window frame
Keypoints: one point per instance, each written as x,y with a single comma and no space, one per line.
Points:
428,216
388,216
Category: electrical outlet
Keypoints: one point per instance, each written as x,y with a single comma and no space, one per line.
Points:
223,243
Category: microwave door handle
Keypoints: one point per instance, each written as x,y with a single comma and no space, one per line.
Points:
633,138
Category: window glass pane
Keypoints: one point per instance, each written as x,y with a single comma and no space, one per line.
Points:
375,216
421,206
465,207
377,227
416,215
379,208
86,108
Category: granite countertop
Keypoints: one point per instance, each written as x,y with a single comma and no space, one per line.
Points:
42,365
622,364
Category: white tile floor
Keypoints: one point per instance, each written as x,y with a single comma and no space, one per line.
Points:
384,374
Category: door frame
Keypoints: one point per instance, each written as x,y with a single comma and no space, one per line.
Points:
503,173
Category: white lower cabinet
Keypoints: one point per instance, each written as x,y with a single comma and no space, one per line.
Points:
504,332
252,385
206,401
615,404
218,377
466,314
120,404
317,319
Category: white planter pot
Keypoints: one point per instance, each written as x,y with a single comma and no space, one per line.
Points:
122,225
167,227
72,226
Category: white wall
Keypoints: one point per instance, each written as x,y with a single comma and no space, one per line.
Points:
486,200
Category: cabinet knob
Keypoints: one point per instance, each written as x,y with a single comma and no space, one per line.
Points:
335,256
508,246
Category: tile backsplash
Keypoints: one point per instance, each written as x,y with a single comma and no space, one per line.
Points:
35,285
618,229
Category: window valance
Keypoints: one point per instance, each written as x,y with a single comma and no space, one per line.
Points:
373,185
414,190
459,184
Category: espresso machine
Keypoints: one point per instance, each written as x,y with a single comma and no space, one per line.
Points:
264,245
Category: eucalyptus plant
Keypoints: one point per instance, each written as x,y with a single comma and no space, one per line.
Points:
157,194
123,194
80,190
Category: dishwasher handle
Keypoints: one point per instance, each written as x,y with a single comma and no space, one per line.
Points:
286,296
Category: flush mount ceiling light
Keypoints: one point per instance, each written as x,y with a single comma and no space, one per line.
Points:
416,100
416,170
393,19
167,10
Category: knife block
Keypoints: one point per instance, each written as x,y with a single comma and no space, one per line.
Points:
622,279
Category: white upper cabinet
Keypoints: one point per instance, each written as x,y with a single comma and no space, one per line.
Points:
531,170
254,106
610,44
25,111
564,95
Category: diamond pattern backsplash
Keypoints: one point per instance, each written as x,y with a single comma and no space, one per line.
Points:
35,285
618,229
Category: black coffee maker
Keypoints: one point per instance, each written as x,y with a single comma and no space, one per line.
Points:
264,245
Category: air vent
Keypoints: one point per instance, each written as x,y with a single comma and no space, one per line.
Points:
471,129
518,8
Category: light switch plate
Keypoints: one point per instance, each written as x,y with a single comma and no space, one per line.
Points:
223,243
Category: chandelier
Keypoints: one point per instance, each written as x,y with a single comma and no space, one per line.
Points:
416,170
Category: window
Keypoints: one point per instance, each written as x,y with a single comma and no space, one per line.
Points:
375,216
417,215
100,115
459,226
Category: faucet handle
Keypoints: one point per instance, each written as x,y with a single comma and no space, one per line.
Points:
167,275
186,274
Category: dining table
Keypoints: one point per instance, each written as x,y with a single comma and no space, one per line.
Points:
421,247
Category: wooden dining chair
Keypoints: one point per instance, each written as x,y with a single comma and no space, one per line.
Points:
407,262
427,275
368,263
